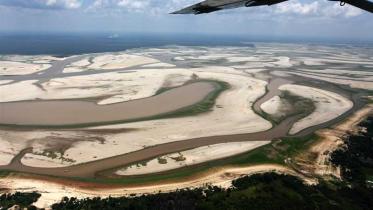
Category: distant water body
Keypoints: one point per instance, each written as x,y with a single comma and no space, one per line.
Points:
68,44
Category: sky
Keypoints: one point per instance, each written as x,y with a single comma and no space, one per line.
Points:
294,18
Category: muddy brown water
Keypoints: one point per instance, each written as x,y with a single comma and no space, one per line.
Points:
77,112
272,90
91,169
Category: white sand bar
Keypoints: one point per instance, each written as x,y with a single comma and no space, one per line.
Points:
19,68
114,87
329,105
272,106
54,192
344,81
231,115
117,61
191,157
40,161
238,66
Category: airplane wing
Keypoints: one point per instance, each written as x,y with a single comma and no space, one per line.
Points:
208,6
362,4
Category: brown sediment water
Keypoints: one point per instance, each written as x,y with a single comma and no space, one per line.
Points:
91,169
272,90
78,112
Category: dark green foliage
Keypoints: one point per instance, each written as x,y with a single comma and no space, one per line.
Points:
356,155
299,105
24,200
293,105
264,191
261,191
183,199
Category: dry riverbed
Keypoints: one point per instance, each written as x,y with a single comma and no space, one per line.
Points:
110,79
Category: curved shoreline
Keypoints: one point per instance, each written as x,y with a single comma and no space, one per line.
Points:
39,114
220,176
91,169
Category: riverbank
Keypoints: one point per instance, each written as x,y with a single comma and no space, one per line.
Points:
221,176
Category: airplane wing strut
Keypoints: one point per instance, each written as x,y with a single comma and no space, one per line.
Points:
362,4
208,6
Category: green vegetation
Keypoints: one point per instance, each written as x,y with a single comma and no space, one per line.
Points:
275,153
162,160
23,200
260,191
355,158
368,174
300,104
204,106
256,191
179,158
291,105
4,174
142,163
54,155
370,100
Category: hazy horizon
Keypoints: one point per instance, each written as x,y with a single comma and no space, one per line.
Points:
79,43
295,19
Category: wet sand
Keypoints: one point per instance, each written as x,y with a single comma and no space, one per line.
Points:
78,112
272,90
91,169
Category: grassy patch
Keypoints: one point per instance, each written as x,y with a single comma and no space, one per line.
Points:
203,106
370,100
162,160
274,153
4,174
292,105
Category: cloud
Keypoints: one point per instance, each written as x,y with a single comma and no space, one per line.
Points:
133,4
296,7
317,9
129,5
43,4
309,18
69,4
291,9
347,11
150,7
